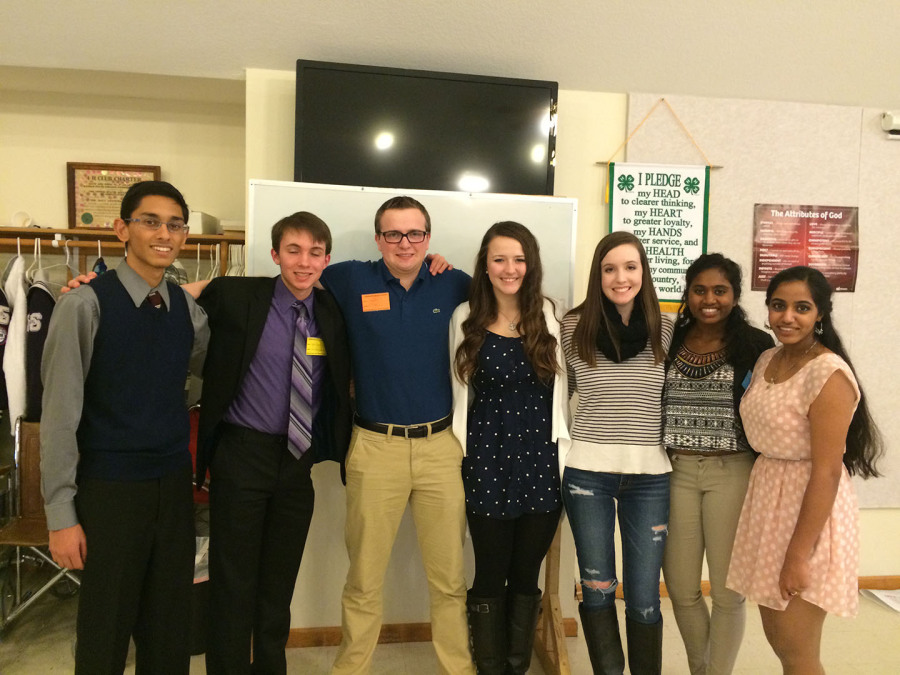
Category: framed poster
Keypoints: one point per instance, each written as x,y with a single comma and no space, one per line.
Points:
667,208
96,190
824,237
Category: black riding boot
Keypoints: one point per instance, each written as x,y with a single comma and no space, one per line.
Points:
487,633
644,647
601,632
522,612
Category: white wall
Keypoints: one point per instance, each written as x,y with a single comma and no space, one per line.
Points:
590,129
192,129
805,153
207,148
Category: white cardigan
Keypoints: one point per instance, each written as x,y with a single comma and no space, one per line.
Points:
462,392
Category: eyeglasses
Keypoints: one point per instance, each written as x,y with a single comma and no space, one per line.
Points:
174,226
413,236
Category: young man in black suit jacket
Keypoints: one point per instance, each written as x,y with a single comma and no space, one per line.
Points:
261,494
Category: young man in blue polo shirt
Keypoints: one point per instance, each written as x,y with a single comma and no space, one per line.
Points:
115,466
402,450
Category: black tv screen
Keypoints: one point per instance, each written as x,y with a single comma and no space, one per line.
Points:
395,128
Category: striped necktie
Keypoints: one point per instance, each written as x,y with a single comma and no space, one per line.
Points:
300,426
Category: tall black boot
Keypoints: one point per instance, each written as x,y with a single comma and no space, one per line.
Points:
601,632
487,633
644,646
523,612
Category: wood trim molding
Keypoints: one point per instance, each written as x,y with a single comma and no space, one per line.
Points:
330,636
880,583
887,583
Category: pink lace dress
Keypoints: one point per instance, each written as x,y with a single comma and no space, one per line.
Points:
776,422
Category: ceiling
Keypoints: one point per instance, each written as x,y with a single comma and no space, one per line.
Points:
830,51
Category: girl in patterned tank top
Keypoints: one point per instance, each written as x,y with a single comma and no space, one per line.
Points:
713,352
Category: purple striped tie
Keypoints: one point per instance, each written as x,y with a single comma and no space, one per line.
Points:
300,426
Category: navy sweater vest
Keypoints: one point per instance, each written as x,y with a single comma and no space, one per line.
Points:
134,424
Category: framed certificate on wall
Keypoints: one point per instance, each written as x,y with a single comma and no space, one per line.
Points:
96,191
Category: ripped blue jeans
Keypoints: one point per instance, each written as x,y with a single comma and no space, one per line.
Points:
591,499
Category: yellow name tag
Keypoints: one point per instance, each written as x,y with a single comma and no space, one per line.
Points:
376,302
315,346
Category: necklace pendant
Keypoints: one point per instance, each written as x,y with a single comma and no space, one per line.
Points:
512,327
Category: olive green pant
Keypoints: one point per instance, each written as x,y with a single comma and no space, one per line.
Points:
706,495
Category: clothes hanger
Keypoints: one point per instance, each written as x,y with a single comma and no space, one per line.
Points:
240,259
68,263
36,265
42,273
214,260
72,268
233,264
100,265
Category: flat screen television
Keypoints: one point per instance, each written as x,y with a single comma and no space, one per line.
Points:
397,128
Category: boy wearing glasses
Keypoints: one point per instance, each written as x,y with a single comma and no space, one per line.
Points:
116,471
402,450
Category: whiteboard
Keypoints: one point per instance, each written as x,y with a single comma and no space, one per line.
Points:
458,222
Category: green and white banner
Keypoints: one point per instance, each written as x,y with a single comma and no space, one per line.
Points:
667,208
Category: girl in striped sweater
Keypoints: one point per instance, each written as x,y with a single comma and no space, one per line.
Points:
615,346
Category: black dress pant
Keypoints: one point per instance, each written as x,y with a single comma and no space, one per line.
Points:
261,505
138,574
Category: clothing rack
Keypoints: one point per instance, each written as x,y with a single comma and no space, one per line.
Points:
84,241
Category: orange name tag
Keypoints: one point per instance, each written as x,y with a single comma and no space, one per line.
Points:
376,302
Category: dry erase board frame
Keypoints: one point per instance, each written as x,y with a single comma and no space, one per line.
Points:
458,222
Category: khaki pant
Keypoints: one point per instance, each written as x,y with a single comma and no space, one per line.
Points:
706,498
384,473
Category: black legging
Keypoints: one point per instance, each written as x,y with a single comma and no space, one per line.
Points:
510,552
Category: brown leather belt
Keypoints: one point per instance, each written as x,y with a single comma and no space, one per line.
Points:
411,431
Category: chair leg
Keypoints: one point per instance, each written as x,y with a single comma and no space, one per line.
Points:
18,606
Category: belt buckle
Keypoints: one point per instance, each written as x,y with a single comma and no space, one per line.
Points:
415,428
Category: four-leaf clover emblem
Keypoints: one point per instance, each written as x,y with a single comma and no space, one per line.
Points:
626,182
692,185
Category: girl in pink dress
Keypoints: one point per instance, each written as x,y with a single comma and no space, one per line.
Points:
796,549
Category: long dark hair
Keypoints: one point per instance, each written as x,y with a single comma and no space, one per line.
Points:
737,327
539,345
592,319
864,442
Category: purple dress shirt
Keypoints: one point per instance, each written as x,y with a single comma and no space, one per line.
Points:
264,398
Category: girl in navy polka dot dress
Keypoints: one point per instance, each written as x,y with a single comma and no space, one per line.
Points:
509,415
